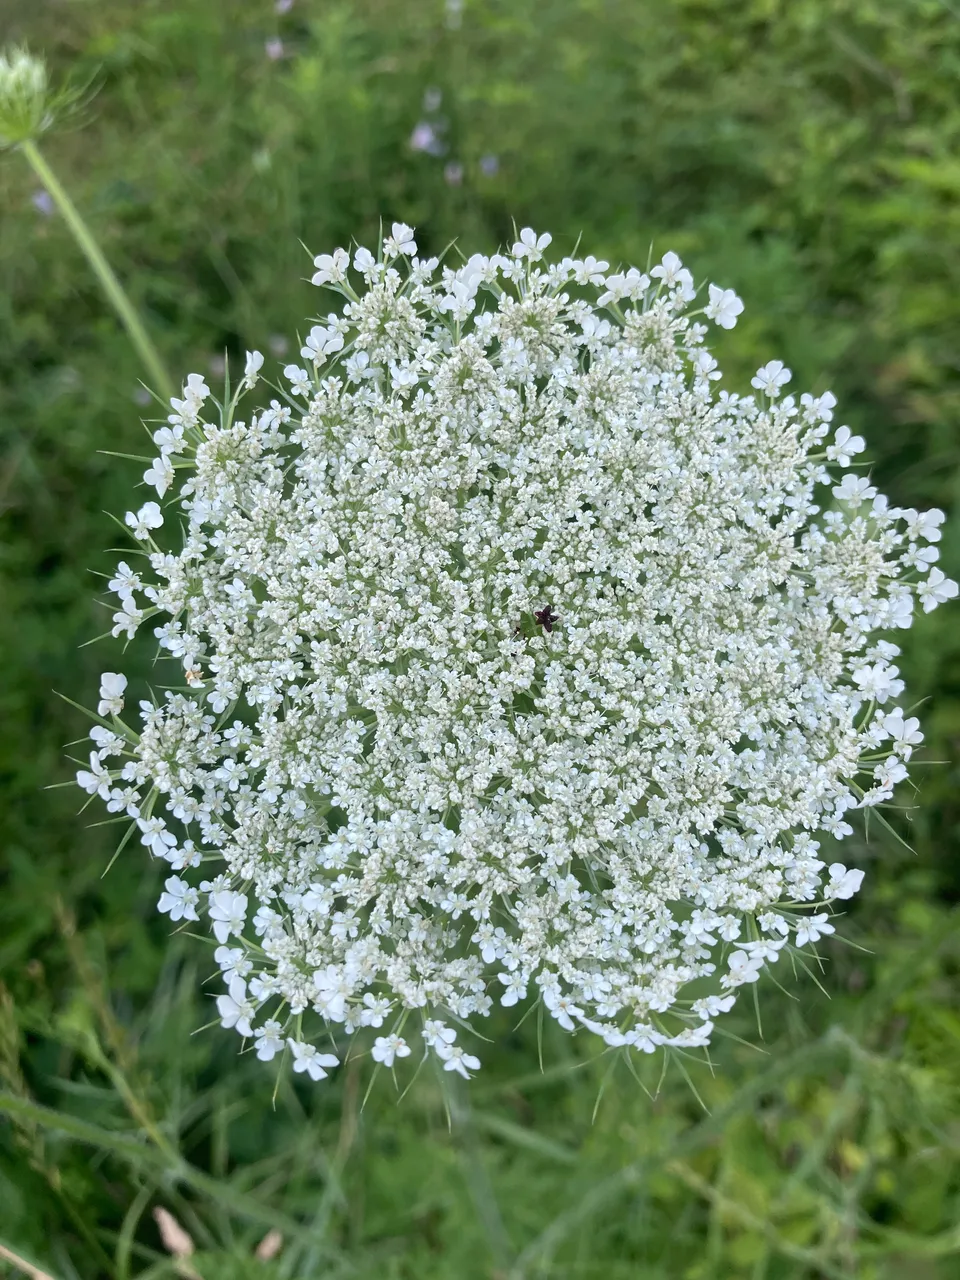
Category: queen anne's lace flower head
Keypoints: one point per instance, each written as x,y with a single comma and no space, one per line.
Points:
518,662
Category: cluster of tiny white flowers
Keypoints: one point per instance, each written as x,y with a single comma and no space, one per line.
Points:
519,661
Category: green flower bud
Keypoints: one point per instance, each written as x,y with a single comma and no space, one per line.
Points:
26,108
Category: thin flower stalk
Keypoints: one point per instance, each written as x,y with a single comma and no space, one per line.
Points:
116,294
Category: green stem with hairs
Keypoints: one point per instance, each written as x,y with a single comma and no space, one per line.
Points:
104,272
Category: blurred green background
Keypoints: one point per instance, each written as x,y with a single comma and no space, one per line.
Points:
804,152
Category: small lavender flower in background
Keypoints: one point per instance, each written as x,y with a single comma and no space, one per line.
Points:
273,48
42,201
425,138
489,166
520,662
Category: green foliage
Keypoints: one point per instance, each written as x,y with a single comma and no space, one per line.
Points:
807,154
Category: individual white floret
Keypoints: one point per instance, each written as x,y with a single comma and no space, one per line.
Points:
878,681
843,883
675,275
156,836
723,307
400,241
143,521
113,685
386,1049
321,341
530,245
96,780
821,409
936,589
331,267
924,524
232,960
589,270
771,378
124,583
889,773
159,475
845,447
251,370
269,1040
812,928
438,1036
743,968
456,1059
308,1058
179,900
920,557
235,1007
298,378
228,911
906,733
515,988
854,490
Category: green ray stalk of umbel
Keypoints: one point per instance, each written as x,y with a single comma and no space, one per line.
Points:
29,107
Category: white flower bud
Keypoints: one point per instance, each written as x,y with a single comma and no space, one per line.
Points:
24,106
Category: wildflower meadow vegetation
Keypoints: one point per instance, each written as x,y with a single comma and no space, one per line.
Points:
488,471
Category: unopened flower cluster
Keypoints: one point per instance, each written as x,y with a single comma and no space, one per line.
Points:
23,96
518,661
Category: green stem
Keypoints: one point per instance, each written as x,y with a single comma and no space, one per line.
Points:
104,272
